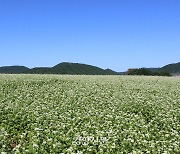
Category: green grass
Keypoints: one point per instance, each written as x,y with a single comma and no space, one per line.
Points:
89,114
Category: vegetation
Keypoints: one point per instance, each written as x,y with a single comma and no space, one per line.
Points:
89,114
39,70
84,69
76,68
173,68
148,72
62,68
13,69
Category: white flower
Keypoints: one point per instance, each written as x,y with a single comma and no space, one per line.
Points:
35,145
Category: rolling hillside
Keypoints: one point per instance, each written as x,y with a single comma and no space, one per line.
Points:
39,70
172,68
13,69
80,69
76,68
62,68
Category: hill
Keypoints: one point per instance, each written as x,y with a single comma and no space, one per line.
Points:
61,68
82,69
111,71
172,68
76,68
13,69
39,70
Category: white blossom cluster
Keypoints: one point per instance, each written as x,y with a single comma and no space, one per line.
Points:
89,114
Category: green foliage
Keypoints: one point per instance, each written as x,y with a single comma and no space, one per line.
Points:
147,72
79,69
141,71
13,69
62,68
89,114
173,68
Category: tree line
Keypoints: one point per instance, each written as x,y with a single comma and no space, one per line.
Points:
147,72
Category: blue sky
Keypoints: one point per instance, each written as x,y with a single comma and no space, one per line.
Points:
116,34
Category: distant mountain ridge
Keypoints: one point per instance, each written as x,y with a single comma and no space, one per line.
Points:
173,68
61,68
13,69
76,68
79,69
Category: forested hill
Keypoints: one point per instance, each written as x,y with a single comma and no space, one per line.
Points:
79,69
62,68
172,68
13,69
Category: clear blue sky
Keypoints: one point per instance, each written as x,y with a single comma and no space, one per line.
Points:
116,34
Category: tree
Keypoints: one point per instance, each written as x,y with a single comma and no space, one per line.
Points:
145,71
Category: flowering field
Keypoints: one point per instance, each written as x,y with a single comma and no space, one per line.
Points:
89,114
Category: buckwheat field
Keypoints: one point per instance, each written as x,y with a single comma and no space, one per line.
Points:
89,114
